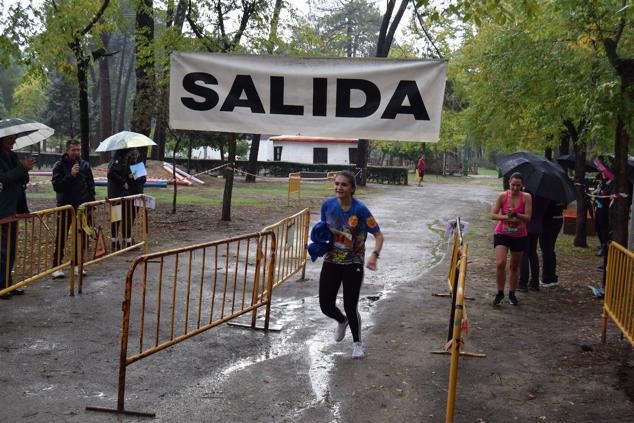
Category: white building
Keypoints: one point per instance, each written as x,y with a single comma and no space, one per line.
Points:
299,149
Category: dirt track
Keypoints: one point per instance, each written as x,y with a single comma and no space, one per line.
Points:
544,362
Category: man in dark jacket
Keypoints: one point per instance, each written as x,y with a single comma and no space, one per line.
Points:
14,175
74,184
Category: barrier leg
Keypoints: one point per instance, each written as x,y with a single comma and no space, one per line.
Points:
125,326
604,327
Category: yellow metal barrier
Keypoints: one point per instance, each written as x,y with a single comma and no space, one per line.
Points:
456,340
619,291
35,245
291,234
173,295
294,185
330,182
115,226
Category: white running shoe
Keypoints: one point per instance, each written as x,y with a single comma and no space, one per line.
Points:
58,274
357,350
340,331
83,272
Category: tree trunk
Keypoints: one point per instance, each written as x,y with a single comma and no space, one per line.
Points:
564,143
178,141
362,162
84,117
143,107
226,197
252,167
120,79
582,211
189,156
621,205
123,104
548,153
255,140
105,105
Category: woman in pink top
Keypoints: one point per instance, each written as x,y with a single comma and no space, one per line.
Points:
512,210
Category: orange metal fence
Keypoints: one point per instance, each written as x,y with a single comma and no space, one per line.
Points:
110,227
619,291
35,245
291,234
173,295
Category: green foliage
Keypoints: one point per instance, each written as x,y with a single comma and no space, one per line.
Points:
523,79
29,99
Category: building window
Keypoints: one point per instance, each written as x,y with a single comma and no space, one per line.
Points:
320,155
277,154
352,155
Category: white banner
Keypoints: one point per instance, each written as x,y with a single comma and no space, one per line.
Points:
380,99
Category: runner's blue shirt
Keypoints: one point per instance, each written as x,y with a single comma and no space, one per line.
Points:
349,230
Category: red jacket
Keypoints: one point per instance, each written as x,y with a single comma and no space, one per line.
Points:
421,166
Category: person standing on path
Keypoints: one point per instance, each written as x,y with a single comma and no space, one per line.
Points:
74,184
512,209
349,220
421,166
529,269
14,175
552,222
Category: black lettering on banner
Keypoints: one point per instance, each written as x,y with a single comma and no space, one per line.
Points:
243,84
277,99
416,106
320,96
372,98
190,85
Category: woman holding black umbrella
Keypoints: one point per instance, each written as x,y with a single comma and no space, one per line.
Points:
512,210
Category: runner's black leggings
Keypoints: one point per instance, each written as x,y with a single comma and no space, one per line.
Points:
331,278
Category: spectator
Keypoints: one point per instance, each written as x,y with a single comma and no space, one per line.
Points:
421,166
552,221
74,184
14,175
529,269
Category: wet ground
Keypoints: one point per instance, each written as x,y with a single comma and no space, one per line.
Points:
60,353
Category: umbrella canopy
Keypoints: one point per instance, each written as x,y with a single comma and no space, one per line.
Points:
541,176
568,161
27,132
124,139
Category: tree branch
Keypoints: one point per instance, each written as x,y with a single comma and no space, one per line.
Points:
95,18
197,30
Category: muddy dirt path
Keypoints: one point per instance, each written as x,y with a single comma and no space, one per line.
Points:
61,353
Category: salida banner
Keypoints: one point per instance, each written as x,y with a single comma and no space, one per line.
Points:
380,99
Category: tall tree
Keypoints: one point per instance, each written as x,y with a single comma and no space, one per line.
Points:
219,39
252,167
143,107
389,24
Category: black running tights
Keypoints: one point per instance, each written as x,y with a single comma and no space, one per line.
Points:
331,278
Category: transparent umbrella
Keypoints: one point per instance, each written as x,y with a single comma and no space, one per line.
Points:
27,132
124,139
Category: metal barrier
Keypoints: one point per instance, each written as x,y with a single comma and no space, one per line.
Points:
456,341
291,234
619,291
330,182
173,295
115,226
35,245
294,185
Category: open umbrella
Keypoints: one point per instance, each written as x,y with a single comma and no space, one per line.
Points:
541,176
568,161
124,139
27,132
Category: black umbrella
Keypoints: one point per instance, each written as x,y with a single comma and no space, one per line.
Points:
27,132
541,176
568,161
